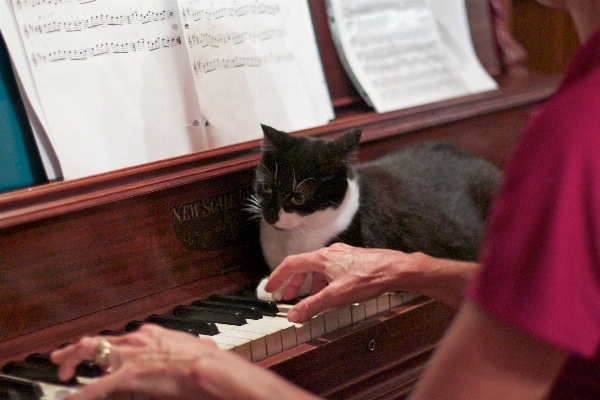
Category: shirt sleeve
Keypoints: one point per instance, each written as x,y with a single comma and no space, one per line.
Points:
540,254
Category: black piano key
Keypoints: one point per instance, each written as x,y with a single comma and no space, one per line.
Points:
36,372
207,314
247,311
110,332
198,327
133,326
86,368
9,394
26,390
266,307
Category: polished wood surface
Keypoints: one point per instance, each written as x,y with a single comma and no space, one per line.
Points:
547,34
93,253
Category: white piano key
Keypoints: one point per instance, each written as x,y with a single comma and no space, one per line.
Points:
303,332
283,307
286,328
396,299
408,296
383,302
358,312
344,316
271,334
370,307
317,326
225,347
258,343
331,320
52,391
240,346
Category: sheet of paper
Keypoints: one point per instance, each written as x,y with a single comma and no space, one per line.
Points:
33,106
113,79
258,58
124,82
405,53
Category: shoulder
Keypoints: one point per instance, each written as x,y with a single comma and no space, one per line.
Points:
563,130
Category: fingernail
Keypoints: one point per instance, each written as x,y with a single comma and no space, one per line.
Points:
292,315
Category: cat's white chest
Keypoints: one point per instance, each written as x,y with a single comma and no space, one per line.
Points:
311,232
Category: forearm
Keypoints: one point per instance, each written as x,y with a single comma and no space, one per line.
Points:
481,357
229,377
440,279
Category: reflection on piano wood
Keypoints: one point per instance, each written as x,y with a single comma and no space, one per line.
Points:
82,256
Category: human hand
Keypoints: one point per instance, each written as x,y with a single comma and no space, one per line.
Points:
166,364
343,275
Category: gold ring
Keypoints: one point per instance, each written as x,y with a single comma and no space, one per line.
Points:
102,352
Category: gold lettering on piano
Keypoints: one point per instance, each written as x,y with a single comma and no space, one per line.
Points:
212,223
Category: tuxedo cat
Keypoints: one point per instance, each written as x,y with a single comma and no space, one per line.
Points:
429,197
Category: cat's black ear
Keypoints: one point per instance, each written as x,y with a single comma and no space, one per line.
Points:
274,139
348,143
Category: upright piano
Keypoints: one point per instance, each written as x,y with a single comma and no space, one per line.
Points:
81,256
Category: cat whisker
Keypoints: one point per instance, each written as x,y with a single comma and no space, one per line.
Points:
253,207
303,230
294,183
254,217
301,183
263,165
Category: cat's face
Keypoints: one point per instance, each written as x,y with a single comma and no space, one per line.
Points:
298,176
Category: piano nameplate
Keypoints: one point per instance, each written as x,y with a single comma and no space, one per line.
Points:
213,223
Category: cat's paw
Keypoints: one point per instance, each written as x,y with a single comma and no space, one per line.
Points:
262,294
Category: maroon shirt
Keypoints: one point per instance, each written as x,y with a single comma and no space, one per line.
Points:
541,254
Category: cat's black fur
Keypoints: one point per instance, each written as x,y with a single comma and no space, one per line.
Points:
429,197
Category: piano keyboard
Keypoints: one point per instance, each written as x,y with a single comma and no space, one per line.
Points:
257,338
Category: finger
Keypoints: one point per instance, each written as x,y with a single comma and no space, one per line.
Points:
310,306
319,282
295,264
292,286
70,356
100,387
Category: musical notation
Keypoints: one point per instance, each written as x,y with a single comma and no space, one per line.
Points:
422,88
217,13
98,22
352,9
425,74
401,63
35,3
206,39
104,49
237,62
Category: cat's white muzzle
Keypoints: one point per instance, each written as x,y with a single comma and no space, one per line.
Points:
287,220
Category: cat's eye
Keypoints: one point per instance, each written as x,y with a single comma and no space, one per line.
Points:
298,199
266,188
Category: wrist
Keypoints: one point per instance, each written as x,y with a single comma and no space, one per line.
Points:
440,279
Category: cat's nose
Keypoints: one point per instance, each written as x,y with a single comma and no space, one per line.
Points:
271,217
287,220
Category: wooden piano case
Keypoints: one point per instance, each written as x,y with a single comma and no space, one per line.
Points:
80,256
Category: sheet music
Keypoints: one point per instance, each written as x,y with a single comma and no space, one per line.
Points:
405,53
124,82
248,44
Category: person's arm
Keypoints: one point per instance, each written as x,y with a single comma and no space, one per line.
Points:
481,357
346,274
